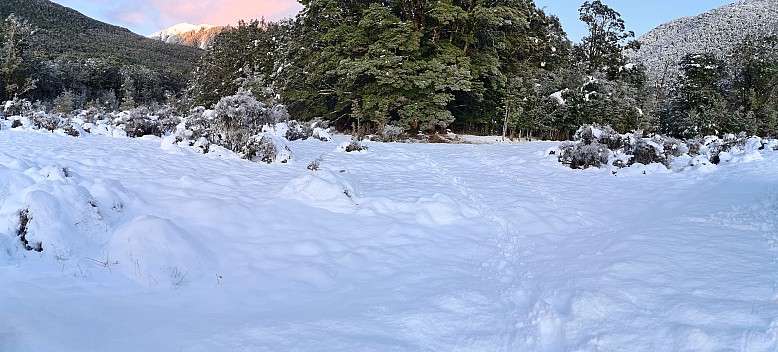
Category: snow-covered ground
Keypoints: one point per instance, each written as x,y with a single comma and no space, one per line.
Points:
408,247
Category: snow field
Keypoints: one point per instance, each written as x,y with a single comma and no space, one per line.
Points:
407,247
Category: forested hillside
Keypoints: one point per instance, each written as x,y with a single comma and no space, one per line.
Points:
62,50
717,32
480,67
367,67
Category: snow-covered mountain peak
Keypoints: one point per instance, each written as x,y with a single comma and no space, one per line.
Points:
180,28
196,35
717,32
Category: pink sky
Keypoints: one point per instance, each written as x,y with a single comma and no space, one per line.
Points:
147,16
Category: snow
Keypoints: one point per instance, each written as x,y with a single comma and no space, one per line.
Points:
409,247
558,97
179,29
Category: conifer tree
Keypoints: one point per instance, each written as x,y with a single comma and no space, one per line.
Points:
240,57
16,37
602,50
697,107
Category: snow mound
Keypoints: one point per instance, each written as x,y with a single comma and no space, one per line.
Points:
54,211
323,189
154,250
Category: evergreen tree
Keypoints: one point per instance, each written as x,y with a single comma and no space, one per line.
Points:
604,88
602,50
64,102
696,107
240,57
128,94
752,87
14,61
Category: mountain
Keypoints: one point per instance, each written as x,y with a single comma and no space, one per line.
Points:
199,36
717,31
64,38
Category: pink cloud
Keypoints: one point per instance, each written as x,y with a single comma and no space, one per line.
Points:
221,12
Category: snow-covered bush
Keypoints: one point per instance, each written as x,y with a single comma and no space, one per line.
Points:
589,134
16,107
238,118
647,152
354,145
597,146
266,148
296,132
22,229
657,149
587,151
316,164
50,122
582,156
392,133
167,118
199,124
138,123
303,130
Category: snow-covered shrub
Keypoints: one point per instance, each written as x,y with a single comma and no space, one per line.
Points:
657,149
322,134
770,143
71,131
587,151
202,145
589,134
354,145
297,131
267,149
167,118
392,133
238,118
582,156
316,164
51,122
647,152
22,228
304,130
91,115
16,107
138,123
199,124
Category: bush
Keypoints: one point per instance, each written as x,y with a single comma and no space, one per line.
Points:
22,231
391,133
647,152
304,130
138,123
266,149
587,150
355,145
581,156
238,118
17,107
42,120
316,164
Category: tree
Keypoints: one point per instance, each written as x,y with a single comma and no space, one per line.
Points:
602,50
696,106
64,102
128,94
240,57
14,64
753,86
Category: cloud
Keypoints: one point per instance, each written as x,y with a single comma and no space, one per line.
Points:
165,13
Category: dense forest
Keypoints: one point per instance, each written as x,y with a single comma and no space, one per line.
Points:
485,67
48,49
